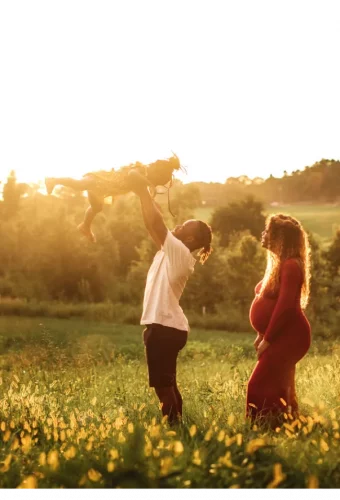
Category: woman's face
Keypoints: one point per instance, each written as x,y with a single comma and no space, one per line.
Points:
265,239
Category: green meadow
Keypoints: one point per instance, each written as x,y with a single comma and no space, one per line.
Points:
76,412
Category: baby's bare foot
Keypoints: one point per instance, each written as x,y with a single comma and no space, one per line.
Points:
87,232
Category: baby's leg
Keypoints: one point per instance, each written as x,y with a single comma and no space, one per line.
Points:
96,206
78,185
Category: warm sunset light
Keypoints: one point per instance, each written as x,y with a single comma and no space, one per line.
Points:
232,87
159,334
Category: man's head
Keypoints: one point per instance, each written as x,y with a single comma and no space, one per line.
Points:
196,235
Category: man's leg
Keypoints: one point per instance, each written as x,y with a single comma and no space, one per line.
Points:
172,402
162,347
168,399
179,400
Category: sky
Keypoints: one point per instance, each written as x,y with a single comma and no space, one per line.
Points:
232,87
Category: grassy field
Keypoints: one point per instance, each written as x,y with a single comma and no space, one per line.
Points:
319,219
76,411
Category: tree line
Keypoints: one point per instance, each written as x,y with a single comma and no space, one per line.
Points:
44,258
317,183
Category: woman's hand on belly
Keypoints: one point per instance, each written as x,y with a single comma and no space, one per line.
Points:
258,340
262,347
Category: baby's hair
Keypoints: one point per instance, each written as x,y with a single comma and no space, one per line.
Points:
174,159
204,241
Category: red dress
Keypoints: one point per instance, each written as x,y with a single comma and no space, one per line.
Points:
271,387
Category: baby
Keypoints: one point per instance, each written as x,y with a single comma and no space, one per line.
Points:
102,184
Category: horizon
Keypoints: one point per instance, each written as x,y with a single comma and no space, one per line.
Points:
181,176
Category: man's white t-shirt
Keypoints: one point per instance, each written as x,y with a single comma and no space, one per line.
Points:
166,280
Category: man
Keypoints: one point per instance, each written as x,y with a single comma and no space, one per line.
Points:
167,327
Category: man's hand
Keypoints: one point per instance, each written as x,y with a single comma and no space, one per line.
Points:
137,182
262,347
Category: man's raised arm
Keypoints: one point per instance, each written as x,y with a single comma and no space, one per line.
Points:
153,219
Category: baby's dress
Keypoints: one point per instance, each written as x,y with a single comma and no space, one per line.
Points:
112,183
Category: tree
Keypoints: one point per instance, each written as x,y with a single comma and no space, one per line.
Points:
244,265
205,287
323,307
238,216
184,199
12,191
333,254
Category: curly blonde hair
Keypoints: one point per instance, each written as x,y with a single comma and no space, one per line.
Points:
286,240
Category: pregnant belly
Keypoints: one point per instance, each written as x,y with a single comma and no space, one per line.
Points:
260,313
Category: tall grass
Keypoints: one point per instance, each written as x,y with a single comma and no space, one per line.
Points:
116,313
76,411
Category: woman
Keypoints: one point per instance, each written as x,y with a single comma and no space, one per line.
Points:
277,315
